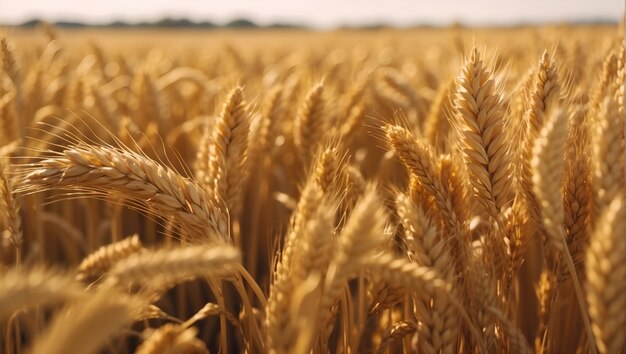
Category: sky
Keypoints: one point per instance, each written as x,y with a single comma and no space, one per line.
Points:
316,13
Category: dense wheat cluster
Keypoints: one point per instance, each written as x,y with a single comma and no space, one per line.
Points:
418,191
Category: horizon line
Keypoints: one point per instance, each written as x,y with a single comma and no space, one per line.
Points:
246,22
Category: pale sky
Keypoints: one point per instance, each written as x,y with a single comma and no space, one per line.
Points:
318,13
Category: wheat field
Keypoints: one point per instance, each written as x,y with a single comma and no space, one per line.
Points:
448,190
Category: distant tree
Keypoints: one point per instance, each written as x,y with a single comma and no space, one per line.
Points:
31,23
279,25
119,24
241,23
70,24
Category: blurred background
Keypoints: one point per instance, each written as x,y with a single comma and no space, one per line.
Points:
321,14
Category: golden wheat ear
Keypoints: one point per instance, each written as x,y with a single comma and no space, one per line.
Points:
165,267
10,211
311,122
437,124
608,154
22,287
141,182
362,235
484,141
547,166
14,120
229,151
438,321
606,269
302,266
396,332
105,257
423,281
419,160
171,338
271,118
545,94
85,326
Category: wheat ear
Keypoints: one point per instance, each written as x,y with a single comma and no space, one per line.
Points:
438,330
419,160
545,94
171,338
361,236
21,287
606,270
577,193
484,140
547,166
105,257
608,154
307,258
10,66
294,267
604,84
9,118
310,198
517,341
273,107
327,168
9,61
229,151
171,266
311,121
397,331
113,172
10,211
85,326
423,281
437,125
